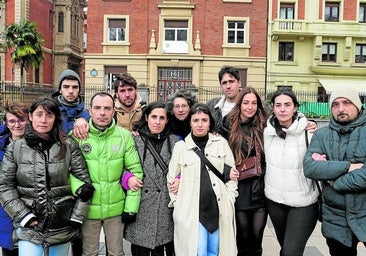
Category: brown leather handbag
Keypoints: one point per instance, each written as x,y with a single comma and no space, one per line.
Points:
251,166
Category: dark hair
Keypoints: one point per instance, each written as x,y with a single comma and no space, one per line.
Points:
51,106
146,112
273,119
181,94
200,107
102,94
257,124
287,92
18,109
124,79
229,70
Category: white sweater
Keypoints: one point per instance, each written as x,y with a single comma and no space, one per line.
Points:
285,182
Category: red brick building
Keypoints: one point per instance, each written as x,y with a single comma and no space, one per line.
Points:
168,45
61,24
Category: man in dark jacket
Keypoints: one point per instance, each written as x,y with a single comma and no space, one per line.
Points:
336,156
230,85
71,105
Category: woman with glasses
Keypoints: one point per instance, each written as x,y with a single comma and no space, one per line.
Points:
15,120
180,104
35,183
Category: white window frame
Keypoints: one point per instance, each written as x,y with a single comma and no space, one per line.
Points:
176,45
246,30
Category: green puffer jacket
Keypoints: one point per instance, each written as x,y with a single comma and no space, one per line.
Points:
344,194
108,153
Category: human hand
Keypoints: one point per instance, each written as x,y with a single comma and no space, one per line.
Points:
85,192
134,183
128,217
174,186
234,173
32,222
311,126
355,167
319,157
81,128
135,133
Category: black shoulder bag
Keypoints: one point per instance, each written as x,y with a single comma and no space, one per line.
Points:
208,163
155,154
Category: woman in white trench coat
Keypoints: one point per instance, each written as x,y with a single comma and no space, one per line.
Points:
204,204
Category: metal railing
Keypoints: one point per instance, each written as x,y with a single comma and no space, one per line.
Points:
311,103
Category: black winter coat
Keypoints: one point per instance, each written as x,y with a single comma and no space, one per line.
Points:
35,181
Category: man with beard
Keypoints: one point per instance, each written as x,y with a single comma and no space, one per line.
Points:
127,100
336,156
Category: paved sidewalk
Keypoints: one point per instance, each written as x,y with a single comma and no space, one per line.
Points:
316,245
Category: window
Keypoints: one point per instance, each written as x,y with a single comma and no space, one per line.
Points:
110,74
360,56
116,30
286,51
236,32
61,22
322,95
175,36
362,13
331,11
329,52
287,11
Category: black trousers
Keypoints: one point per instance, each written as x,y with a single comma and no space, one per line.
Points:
137,250
7,252
338,249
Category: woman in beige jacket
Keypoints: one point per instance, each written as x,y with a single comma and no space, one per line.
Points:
204,221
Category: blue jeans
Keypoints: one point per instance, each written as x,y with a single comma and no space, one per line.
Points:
28,248
208,243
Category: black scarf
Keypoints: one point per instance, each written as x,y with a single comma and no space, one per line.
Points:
40,141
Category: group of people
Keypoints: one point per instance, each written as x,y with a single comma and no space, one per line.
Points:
164,176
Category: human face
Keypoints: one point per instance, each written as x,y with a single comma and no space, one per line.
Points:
200,124
42,121
102,111
157,120
126,95
248,107
343,110
230,87
180,108
70,90
284,109
16,125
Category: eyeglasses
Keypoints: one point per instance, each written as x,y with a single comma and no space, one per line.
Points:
183,106
20,121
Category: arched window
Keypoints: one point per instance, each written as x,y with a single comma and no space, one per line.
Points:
61,22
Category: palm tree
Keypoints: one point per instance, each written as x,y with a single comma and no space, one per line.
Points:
25,44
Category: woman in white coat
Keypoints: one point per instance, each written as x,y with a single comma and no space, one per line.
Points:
204,222
291,197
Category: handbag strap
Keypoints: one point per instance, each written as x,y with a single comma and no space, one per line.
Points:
155,154
208,163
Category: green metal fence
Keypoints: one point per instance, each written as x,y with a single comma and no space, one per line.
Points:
310,102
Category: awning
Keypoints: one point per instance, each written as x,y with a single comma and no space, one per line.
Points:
330,85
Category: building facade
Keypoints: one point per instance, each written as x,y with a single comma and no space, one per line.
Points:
61,24
317,45
170,45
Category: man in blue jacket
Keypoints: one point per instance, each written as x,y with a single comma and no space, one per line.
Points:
336,156
71,105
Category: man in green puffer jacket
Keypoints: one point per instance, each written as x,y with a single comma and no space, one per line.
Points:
336,156
108,150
